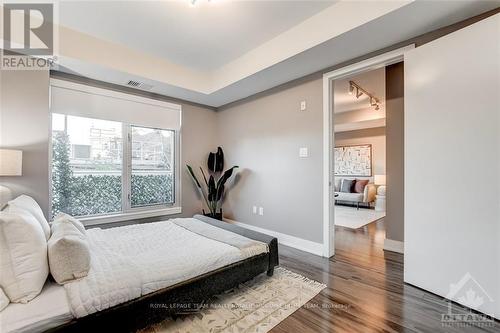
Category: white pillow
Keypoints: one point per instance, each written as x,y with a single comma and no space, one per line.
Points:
71,219
23,256
4,300
69,252
29,204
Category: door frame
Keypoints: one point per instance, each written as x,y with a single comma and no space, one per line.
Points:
376,62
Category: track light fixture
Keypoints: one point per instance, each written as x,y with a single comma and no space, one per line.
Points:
374,101
358,92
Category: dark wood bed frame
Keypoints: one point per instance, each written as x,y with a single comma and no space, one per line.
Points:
157,306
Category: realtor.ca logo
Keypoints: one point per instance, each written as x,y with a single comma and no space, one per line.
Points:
470,293
28,36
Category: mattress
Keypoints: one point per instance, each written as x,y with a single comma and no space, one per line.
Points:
131,261
47,310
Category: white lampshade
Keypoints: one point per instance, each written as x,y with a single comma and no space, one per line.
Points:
11,162
379,180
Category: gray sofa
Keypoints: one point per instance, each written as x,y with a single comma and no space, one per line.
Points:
366,198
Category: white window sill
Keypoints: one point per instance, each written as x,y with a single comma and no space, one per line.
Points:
102,219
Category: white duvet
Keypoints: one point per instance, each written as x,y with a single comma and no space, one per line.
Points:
131,261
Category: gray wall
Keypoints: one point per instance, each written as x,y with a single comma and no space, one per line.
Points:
394,221
263,137
198,138
24,124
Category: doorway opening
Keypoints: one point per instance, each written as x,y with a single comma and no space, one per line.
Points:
360,149
355,135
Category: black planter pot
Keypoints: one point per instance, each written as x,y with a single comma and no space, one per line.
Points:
217,216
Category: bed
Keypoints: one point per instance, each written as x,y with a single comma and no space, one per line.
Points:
143,273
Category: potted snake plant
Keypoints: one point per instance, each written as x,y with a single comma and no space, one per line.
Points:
213,193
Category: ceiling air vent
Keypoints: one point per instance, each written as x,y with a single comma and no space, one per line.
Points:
140,85
133,83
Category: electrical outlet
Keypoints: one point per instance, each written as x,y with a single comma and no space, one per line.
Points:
254,209
261,210
303,106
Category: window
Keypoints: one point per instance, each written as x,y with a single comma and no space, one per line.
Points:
115,156
152,166
88,177
86,181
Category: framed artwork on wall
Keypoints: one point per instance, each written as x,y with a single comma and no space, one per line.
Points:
353,160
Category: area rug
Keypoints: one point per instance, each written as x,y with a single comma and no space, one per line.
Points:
255,306
353,218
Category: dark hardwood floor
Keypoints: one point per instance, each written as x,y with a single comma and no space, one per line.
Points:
365,290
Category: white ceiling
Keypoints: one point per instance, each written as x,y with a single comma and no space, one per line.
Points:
372,81
352,113
359,125
217,53
203,37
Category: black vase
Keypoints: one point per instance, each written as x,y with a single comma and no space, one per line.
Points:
217,216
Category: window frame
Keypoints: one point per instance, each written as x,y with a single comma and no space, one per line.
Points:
127,212
127,171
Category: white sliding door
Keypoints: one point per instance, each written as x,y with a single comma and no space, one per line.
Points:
452,166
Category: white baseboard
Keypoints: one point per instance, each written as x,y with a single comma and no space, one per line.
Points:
394,246
292,241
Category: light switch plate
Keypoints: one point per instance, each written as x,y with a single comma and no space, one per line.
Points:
303,106
261,210
303,152
254,209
